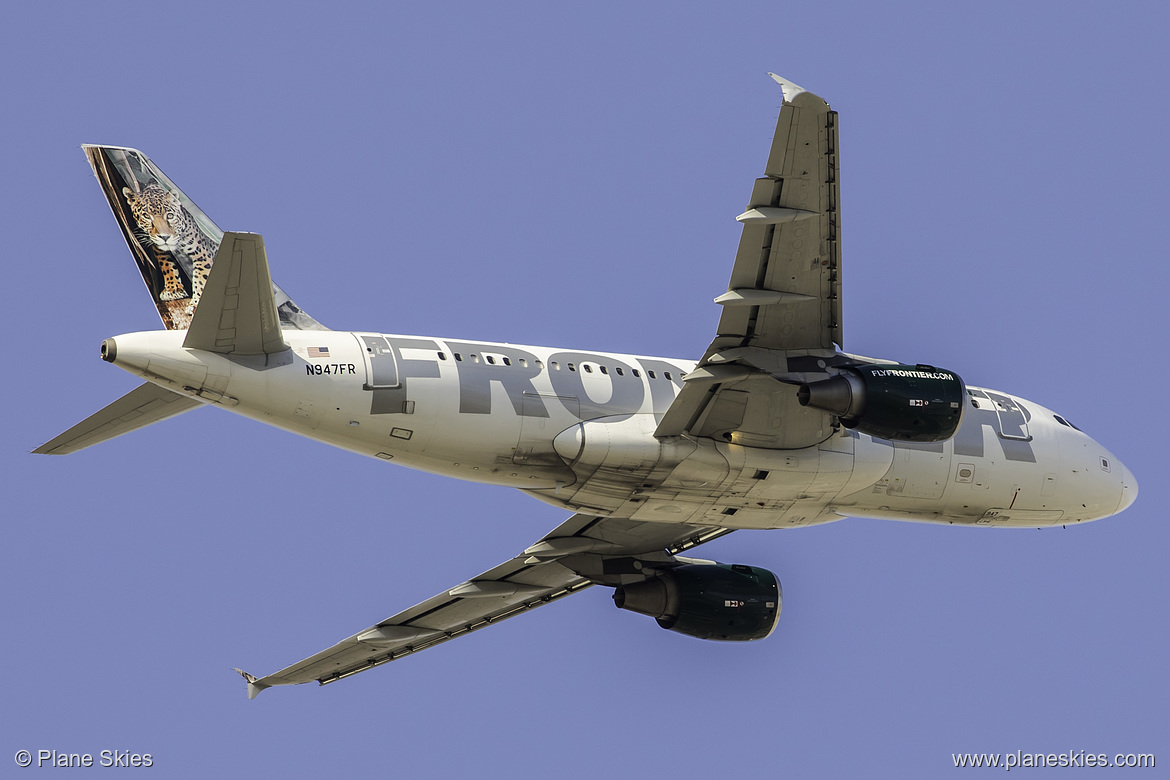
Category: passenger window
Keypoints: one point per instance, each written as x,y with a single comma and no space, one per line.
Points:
618,369
651,374
507,362
458,357
604,370
539,364
571,366
523,363
474,358
667,375
588,368
442,356
490,359
556,366
636,372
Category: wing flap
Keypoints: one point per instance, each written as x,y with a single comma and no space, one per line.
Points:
756,410
143,406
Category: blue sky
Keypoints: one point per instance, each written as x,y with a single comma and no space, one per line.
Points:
569,176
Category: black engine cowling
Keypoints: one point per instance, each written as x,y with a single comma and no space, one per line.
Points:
708,601
906,403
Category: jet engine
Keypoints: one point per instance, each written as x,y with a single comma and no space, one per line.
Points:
708,600
906,403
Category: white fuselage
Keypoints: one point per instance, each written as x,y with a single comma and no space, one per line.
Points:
576,429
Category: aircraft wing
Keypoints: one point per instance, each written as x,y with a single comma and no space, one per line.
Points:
582,551
782,309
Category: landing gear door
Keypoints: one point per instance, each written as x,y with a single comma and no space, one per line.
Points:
381,370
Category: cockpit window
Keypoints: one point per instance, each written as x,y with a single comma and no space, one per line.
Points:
1063,421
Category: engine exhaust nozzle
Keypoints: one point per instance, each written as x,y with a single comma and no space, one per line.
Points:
842,395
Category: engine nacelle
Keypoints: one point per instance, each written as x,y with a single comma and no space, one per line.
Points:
906,403
709,601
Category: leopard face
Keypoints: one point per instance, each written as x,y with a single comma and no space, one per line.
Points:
159,215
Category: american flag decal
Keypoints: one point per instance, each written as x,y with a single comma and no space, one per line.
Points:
318,352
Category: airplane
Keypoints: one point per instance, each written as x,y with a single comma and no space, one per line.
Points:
773,427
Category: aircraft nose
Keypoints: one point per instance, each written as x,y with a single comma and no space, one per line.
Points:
1129,488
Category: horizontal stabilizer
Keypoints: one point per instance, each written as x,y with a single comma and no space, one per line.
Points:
237,313
139,408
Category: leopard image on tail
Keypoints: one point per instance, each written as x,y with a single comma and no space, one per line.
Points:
172,240
165,226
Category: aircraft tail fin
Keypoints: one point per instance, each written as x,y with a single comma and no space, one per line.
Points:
173,242
143,406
